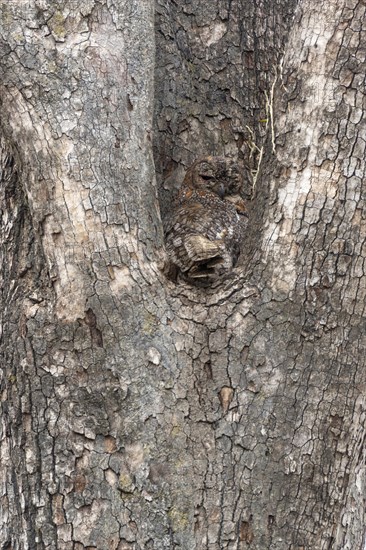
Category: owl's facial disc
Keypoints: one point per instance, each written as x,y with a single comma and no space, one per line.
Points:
205,171
207,179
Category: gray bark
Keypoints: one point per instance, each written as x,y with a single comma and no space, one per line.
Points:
137,413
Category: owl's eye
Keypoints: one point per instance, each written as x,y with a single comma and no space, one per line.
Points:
206,177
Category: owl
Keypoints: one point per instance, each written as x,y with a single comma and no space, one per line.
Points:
205,229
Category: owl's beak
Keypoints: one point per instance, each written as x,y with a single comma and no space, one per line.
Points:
221,191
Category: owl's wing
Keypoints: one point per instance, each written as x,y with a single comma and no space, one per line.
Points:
200,248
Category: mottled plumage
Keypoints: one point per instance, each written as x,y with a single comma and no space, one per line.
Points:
204,232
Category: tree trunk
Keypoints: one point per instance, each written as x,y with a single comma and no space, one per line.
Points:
139,413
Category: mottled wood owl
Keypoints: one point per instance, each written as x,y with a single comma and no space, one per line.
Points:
205,229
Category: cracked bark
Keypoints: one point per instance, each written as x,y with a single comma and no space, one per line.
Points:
140,414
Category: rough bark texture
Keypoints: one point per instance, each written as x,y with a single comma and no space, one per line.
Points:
215,64
141,414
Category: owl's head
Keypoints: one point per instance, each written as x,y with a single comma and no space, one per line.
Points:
220,175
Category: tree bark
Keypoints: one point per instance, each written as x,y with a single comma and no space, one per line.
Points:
138,413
